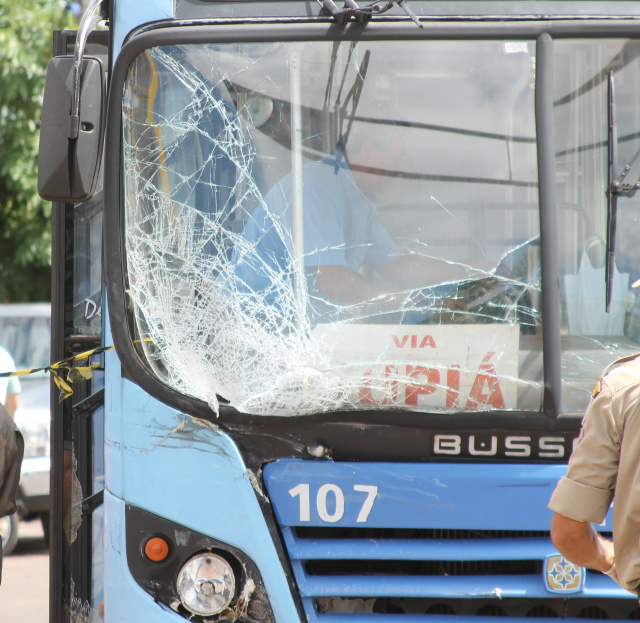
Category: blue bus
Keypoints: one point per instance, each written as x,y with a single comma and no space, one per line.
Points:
335,285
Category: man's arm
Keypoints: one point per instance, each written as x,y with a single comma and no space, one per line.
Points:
351,288
579,543
346,286
416,271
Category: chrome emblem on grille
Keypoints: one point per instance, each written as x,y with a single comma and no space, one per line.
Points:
562,576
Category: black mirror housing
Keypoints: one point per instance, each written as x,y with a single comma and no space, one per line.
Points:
68,167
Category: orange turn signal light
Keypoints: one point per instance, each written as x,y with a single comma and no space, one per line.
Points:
156,549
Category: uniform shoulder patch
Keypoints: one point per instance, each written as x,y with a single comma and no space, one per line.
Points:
608,369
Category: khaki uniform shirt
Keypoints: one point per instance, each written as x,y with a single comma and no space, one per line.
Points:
606,462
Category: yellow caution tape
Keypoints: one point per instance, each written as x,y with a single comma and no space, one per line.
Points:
81,373
74,374
65,389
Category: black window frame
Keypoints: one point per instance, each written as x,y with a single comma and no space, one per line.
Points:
264,30
71,419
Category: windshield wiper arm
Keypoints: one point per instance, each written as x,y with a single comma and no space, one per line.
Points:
340,108
353,94
405,7
363,14
627,183
612,194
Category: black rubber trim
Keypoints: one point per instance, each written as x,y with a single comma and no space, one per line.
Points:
89,405
92,502
113,230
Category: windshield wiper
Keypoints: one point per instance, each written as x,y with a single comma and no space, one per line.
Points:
627,183
363,14
353,96
340,108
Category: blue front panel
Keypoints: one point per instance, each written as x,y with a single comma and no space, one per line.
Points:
406,541
185,470
425,495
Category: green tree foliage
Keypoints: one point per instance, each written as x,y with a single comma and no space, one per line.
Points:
26,28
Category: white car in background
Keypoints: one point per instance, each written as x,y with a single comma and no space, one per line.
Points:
25,331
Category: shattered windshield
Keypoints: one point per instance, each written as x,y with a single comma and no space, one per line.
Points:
322,226
317,232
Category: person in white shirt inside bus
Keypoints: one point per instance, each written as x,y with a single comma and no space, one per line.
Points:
350,260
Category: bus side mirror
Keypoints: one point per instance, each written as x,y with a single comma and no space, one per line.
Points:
71,148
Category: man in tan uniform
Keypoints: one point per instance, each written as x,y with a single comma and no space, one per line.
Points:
605,462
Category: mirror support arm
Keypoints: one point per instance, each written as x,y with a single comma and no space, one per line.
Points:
89,21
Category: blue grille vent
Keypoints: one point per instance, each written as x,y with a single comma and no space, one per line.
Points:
421,553
321,567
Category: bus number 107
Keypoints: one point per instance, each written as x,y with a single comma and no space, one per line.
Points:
302,491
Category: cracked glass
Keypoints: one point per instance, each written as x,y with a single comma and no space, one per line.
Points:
324,226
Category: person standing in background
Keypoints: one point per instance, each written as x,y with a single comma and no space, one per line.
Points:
11,454
9,386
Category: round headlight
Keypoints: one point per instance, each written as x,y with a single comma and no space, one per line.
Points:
206,584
